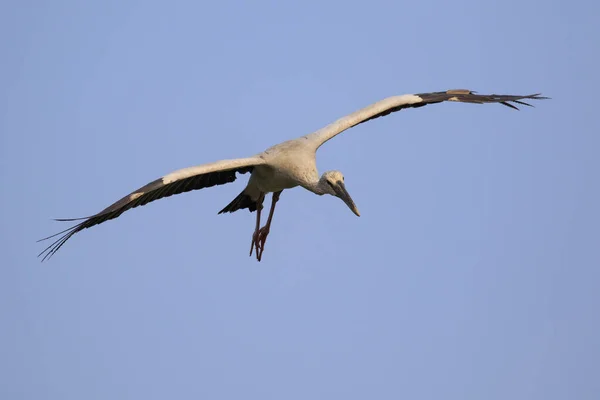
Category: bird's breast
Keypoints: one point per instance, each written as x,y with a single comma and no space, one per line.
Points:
285,171
268,179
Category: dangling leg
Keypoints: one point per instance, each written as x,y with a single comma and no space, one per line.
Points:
264,231
259,206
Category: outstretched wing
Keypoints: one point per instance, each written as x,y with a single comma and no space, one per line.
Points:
181,181
397,103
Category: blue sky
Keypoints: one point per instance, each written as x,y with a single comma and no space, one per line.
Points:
472,272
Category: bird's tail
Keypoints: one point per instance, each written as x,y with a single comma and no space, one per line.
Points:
240,202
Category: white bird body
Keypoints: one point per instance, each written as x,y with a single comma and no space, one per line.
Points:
284,166
287,165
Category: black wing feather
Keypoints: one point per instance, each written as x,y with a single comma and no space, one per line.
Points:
462,96
153,191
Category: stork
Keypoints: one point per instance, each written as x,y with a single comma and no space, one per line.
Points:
280,167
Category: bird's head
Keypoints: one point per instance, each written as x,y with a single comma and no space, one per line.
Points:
332,182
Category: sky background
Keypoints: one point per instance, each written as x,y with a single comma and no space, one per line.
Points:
472,272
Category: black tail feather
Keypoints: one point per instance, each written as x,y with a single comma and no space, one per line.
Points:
240,202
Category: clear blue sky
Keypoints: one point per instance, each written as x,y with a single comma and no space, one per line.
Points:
472,273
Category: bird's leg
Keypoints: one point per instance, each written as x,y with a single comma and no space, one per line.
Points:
259,206
264,231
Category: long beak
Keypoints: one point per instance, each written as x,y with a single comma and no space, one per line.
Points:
342,193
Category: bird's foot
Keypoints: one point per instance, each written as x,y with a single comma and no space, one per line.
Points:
259,239
262,238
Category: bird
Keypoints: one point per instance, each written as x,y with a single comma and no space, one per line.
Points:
283,166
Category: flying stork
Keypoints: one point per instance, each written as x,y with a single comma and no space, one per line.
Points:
283,166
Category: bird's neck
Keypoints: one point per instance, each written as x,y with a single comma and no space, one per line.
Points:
316,187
